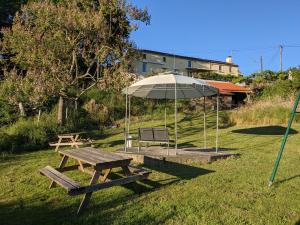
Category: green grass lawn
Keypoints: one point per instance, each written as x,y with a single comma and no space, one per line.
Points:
231,191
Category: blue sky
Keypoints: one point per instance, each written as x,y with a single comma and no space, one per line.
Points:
214,29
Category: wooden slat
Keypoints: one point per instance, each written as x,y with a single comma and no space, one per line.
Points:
105,155
60,178
66,143
97,159
103,162
101,154
73,167
73,134
65,136
77,155
62,163
137,170
94,155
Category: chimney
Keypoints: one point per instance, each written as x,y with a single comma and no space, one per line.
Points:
229,59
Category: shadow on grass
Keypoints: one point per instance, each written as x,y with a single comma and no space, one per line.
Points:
181,171
57,212
105,206
186,145
298,222
288,179
109,144
266,130
211,149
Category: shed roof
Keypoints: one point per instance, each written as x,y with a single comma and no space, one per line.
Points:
228,88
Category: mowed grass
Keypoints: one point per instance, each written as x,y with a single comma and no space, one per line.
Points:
231,191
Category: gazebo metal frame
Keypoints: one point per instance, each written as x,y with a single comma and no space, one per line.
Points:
127,119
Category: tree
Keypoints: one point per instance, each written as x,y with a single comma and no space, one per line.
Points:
72,44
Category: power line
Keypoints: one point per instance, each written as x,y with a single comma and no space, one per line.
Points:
291,46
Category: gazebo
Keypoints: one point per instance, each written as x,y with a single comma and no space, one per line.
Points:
173,86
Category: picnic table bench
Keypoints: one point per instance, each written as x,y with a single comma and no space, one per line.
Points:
92,161
70,139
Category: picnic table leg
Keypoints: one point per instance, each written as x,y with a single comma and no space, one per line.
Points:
74,142
61,165
76,137
87,197
126,170
58,144
103,179
80,165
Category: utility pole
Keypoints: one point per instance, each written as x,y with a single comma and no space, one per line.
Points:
281,50
261,64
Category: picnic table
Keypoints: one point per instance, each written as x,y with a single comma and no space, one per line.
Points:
94,162
70,139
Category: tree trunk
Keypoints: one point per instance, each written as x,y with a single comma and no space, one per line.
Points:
60,113
76,104
22,110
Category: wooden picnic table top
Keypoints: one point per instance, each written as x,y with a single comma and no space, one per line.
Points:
71,134
97,158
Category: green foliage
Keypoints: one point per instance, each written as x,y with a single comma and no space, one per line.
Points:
25,135
279,88
262,113
7,114
295,73
29,134
72,44
214,76
109,106
266,75
222,77
268,85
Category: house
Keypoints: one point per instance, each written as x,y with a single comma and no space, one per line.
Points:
155,62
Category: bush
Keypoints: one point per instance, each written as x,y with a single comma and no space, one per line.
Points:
29,134
280,88
25,134
276,111
7,114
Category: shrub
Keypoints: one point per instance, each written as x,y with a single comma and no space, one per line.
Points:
29,134
7,114
280,88
276,111
25,134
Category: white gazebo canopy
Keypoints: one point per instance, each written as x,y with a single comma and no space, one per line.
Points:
163,86
168,85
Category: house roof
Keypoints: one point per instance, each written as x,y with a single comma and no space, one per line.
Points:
228,88
187,57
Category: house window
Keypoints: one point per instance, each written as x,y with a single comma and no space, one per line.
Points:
164,59
220,68
144,67
189,64
144,56
230,69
